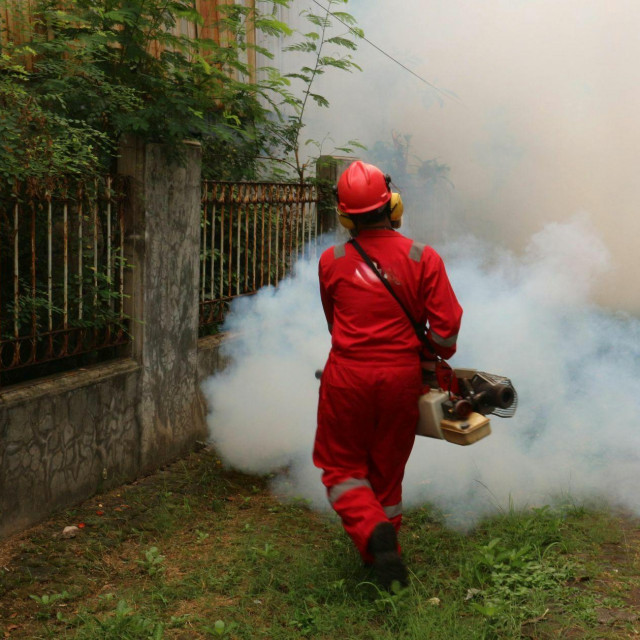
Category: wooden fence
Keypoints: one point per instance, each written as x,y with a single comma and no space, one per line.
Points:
17,19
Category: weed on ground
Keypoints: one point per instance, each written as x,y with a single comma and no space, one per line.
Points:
197,551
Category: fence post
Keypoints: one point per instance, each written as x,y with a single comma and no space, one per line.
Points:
162,247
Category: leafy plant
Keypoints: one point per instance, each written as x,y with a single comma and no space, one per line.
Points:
46,602
406,168
287,132
153,562
304,621
123,623
89,72
220,628
38,140
201,536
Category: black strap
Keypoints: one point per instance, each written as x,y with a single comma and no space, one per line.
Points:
419,329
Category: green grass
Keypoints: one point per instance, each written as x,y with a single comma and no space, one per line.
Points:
195,551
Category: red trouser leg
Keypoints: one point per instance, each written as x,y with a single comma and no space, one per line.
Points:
366,429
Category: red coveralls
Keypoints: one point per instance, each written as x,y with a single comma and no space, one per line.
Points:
368,406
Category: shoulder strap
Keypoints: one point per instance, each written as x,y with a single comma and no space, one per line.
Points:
420,330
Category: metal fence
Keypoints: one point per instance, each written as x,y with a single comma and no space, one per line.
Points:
252,233
61,272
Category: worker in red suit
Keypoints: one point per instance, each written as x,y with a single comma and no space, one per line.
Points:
368,405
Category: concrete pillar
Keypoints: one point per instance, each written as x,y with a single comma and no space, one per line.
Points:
328,170
163,245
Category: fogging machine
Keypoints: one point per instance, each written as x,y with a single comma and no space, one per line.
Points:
455,403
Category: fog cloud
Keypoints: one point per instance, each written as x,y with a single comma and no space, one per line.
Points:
544,124
529,317
538,232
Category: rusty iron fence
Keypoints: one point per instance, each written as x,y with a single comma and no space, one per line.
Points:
63,271
252,234
61,274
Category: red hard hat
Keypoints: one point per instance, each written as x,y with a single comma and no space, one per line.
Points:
361,188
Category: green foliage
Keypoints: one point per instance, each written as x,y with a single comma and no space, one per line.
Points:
220,629
510,577
37,139
46,602
103,69
404,166
511,573
124,623
273,570
201,536
153,562
314,43
113,67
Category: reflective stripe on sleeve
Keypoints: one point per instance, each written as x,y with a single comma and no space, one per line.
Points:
415,253
393,510
443,342
336,492
339,251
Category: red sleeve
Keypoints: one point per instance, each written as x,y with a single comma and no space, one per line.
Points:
443,311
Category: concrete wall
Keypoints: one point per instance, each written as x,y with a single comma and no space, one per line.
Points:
66,437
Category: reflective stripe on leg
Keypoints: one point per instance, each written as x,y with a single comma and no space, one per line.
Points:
394,510
360,512
337,490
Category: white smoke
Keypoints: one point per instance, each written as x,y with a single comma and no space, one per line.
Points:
529,317
263,406
575,368
544,123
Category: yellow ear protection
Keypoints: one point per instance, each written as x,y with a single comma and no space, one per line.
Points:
397,209
346,221
343,218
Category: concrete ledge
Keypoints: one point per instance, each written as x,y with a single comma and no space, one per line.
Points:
65,437
65,382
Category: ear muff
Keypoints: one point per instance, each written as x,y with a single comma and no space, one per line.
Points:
397,209
346,221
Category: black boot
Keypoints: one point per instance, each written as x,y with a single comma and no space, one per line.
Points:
387,563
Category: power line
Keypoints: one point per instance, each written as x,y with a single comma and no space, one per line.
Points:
384,53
